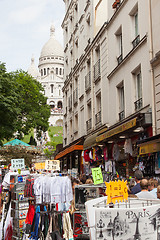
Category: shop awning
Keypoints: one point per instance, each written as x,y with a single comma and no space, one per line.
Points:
90,141
68,150
121,128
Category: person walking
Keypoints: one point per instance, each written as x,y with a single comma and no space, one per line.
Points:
138,175
145,194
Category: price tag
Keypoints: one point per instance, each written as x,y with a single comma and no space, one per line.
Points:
97,175
116,191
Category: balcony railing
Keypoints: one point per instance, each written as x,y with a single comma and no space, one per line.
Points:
70,102
119,59
56,110
136,41
88,81
75,96
138,104
97,72
89,124
121,115
98,118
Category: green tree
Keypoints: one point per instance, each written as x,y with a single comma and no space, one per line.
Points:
22,104
9,108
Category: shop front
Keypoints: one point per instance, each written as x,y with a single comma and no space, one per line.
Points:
70,157
116,150
149,155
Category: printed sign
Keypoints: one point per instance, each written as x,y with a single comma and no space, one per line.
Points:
21,196
52,165
97,175
21,223
128,223
116,191
17,163
39,166
23,213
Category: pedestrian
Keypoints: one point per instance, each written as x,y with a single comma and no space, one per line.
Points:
152,187
158,192
145,194
138,175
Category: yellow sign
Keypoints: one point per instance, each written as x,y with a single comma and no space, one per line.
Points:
39,166
117,130
116,191
97,175
149,148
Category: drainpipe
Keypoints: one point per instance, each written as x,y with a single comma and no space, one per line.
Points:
152,72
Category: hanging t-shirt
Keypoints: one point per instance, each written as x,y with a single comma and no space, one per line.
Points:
86,155
105,153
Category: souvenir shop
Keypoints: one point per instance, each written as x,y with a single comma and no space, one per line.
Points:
39,207
116,150
148,160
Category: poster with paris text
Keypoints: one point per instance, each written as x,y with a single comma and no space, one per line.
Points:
128,223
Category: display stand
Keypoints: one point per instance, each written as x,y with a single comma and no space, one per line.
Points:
133,219
19,204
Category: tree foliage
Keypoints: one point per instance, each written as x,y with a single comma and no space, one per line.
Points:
22,104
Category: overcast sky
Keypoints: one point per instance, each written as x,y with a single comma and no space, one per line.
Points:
25,28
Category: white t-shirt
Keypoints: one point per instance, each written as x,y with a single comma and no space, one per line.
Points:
145,195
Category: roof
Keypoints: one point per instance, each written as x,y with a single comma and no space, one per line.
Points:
52,46
16,142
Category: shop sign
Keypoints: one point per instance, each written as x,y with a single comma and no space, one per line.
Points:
149,148
116,191
17,163
97,175
40,166
117,130
52,165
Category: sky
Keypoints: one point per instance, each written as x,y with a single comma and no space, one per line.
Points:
25,28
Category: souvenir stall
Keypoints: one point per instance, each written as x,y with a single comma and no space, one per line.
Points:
84,193
48,215
118,217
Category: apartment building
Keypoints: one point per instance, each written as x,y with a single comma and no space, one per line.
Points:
108,88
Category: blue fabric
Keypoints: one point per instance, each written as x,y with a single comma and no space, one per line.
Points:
136,189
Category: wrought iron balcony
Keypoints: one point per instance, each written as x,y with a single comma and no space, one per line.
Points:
88,81
97,72
89,124
98,118
121,115
75,96
119,59
136,41
138,104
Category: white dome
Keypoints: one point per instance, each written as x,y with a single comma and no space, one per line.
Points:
52,47
32,70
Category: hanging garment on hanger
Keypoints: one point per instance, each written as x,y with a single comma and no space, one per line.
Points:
128,146
68,232
35,224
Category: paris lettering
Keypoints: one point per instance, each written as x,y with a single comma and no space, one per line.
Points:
142,214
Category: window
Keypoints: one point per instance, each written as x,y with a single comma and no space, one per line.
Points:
44,71
139,85
60,71
47,71
52,88
57,71
138,88
41,72
118,34
136,24
121,101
